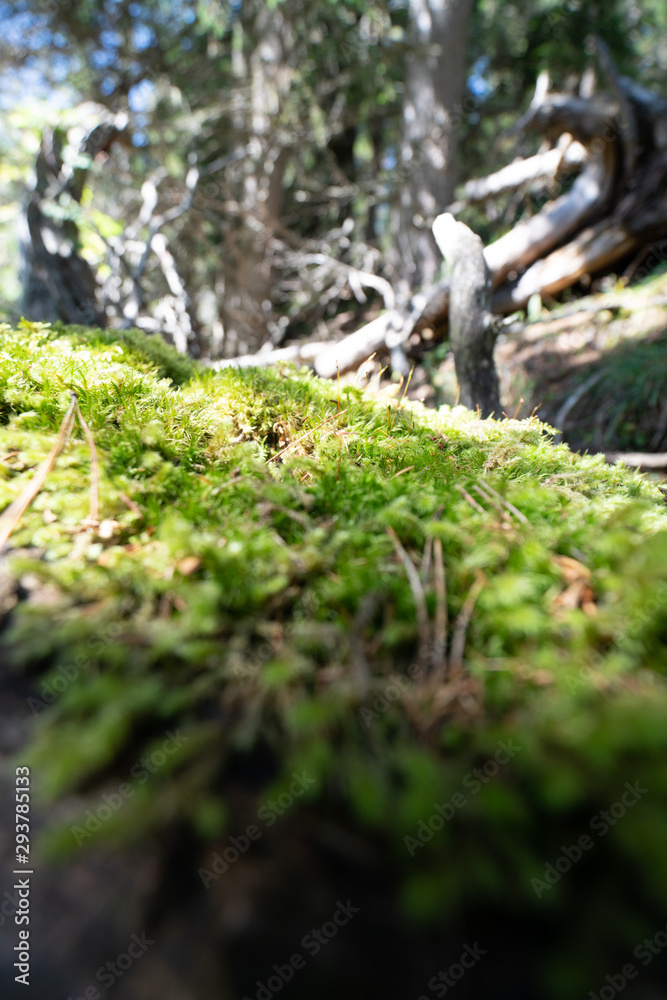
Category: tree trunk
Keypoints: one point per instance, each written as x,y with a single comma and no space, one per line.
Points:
249,273
58,283
471,329
434,86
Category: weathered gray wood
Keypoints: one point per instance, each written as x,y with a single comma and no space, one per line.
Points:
557,221
471,328
637,459
430,307
580,117
535,171
355,348
592,250
304,354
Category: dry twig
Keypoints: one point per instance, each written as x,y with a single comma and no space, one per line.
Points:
441,623
94,508
417,592
466,496
13,514
461,626
326,420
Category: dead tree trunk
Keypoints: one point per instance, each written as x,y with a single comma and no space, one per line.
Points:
58,283
472,332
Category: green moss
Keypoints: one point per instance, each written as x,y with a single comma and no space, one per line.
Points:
254,602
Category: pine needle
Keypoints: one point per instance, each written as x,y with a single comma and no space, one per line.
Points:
441,622
461,626
417,592
94,506
425,568
332,416
489,490
466,496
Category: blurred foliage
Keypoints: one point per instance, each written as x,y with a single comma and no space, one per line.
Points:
226,599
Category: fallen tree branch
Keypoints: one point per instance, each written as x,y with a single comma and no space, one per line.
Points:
355,278
304,353
627,122
541,169
430,308
356,347
558,220
637,459
557,114
595,249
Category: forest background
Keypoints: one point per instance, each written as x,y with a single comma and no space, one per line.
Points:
263,166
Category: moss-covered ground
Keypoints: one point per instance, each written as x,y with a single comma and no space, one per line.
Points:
455,628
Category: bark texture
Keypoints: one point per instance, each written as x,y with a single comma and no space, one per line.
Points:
58,283
471,328
434,84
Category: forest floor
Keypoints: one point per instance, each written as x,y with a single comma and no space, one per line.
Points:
595,368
